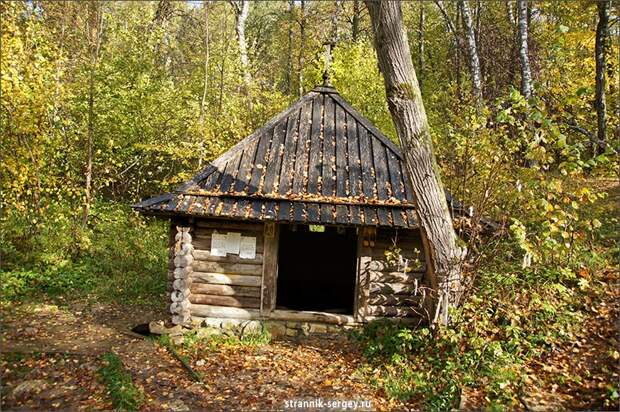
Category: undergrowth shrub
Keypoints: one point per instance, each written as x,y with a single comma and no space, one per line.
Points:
120,255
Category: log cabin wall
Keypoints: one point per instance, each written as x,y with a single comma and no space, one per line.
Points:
391,285
221,286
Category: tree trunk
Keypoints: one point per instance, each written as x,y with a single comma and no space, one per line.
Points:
242,11
94,40
421,45
355,25
526,73
474,61
601,42
205,87
302,46
409,117
289,54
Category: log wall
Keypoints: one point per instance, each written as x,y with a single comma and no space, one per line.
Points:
225,286
391,287
204,286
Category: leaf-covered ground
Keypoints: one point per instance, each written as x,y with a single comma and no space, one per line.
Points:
55,355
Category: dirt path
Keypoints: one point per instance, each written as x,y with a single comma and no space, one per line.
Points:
51,357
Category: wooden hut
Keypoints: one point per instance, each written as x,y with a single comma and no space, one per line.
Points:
307,222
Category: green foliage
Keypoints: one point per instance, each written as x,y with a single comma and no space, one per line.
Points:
125,396
120,256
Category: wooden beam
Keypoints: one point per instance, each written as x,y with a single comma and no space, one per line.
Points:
270,272
362,281
228,226
211,311
310,316
231,301
233,268
394,300
222,279
393,311
225,290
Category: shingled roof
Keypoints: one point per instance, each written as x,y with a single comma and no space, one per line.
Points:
318,162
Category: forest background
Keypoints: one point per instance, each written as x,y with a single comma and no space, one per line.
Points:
106,103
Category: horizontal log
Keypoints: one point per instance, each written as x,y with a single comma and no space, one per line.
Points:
232,301
391,288
395,277
308,316
382,265
202,254
210,311
222,279
225,290
393,311
227,225
394,300
233,268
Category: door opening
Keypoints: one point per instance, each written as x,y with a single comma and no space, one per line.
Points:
316,270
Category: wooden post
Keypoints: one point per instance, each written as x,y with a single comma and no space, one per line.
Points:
362,283
270,268
183,260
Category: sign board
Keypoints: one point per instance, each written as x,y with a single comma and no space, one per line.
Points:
233,240
218,244
247,247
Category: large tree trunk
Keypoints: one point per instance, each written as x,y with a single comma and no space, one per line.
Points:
242,11
601,41
94,41
526,73
409,117
472,49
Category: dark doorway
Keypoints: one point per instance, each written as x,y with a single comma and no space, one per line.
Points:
316,270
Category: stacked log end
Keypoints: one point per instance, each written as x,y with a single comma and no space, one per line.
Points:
181,276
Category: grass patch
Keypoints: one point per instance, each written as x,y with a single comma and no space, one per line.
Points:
125,396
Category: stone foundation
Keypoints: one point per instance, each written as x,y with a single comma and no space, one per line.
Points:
277,328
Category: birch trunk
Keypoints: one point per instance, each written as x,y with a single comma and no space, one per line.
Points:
474,60
242,11
302,46
205,88
289,55
409,116
526,73
602,29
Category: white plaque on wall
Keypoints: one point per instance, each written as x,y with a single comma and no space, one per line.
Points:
218,244
247,247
